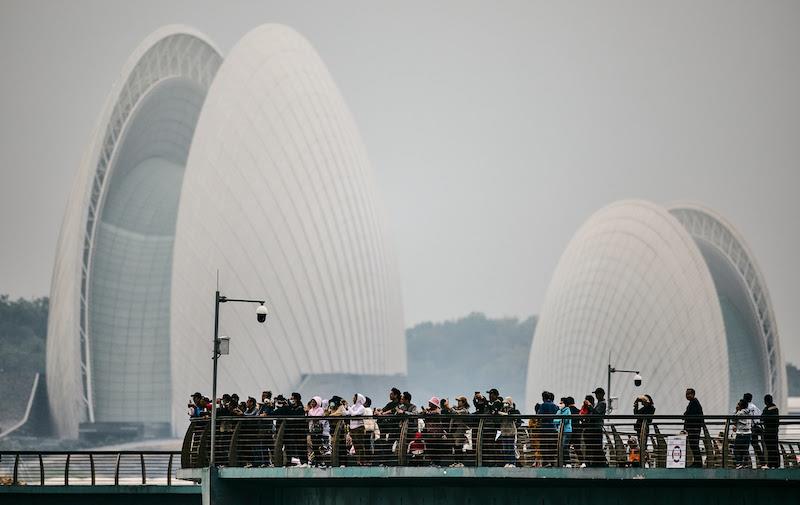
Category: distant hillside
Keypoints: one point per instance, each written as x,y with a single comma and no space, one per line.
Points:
793,379
23,333
470,354
444,358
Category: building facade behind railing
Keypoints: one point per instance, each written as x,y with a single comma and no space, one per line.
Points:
480,440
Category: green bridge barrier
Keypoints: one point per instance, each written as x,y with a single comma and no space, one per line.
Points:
434,486
490,486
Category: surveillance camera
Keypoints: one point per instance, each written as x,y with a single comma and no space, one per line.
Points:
261,313
637,380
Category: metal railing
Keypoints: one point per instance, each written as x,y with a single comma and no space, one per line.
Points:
92,468
482,440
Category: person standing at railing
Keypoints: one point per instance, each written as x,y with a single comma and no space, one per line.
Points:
583,430
434,433
742,428
771,423
405,406
371,430
548,436
294,434
593,433
389,428
643,407
566,432
492,447
357,431
460,428
251,407
315,430
508,432
337,408
757,429
692,424
266,431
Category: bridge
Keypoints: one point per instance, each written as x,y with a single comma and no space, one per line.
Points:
427,459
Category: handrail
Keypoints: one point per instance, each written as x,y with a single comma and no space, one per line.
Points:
86,467
496,440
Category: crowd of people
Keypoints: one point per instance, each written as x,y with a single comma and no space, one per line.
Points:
439,437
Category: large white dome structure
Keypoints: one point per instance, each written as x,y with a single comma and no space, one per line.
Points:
673,292
251,167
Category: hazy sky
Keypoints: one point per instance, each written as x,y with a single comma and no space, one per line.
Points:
494,128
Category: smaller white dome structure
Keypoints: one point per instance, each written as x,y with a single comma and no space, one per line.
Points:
673,292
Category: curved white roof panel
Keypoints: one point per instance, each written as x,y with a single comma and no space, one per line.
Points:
260,175
636,282
279,197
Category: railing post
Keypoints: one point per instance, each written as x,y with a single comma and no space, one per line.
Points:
144,471
479,444
233,452
401,443
187,447
643,442
116,470
277,450
41,469
202,452
559,447
66,471
725,443
169,471
91,466
15,475
337,434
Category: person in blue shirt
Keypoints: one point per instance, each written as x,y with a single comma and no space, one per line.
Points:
549,436
567,431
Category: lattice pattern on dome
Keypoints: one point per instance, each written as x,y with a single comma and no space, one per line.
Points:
703,224
176,56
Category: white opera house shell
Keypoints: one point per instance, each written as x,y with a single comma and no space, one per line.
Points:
672,292
249,167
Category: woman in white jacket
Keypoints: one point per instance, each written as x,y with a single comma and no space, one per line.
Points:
315,429
741,446
357,431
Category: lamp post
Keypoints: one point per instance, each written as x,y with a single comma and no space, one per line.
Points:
261,316
637,381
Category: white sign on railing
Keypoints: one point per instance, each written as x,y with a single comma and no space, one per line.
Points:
676,451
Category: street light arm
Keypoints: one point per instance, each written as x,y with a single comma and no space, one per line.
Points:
224,299
617,370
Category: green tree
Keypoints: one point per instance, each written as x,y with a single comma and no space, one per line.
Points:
793,379
470,354
23,334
